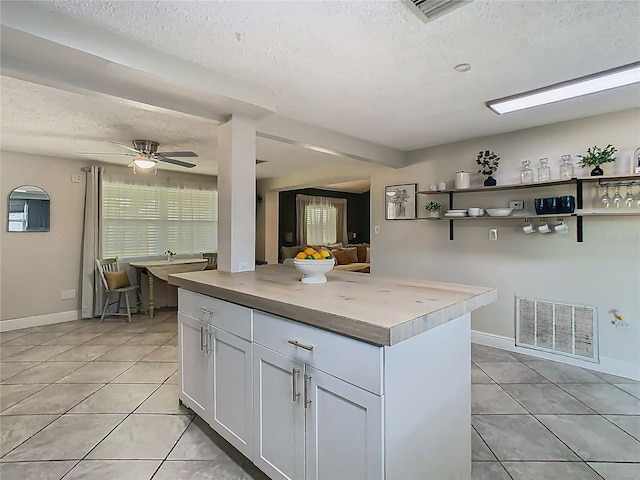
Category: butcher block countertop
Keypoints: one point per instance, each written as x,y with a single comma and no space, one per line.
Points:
377,309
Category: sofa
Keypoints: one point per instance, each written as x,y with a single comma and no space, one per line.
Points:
352,258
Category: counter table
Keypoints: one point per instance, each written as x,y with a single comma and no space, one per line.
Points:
363,377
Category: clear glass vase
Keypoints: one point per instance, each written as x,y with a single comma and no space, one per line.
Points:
544,172
526,174
566,169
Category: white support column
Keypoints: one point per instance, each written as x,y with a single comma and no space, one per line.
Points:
237,195
271,207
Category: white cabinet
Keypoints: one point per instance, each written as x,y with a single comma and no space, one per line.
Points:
279,414
343,429
195,365
232,406
306,403
310,424
216,366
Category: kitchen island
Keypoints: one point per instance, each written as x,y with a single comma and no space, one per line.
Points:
362,377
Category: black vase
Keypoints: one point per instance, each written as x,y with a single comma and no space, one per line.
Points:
491,182
597,171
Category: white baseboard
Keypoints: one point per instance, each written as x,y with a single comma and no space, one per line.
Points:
606,365
38,320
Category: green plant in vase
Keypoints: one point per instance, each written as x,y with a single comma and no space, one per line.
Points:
433,209
488,162
596,156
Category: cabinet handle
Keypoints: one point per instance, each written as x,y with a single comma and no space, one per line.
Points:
201,338
301,345
294,376
205,311
207,346
307,387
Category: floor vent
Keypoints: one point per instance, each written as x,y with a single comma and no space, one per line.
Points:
428,10
569,330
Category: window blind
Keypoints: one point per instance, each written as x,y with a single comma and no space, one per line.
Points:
142,220
321,224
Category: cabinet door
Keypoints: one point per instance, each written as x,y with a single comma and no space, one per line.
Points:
232,415
195,365
343,429
278,414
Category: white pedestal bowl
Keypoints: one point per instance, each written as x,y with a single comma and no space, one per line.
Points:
313,270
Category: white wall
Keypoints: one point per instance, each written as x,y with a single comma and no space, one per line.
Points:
604,271
36,266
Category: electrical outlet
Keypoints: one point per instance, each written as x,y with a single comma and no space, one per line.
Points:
67,294
76,178
516,204
243,266
493,234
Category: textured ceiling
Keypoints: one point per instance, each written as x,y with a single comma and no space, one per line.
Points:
46,121
371,70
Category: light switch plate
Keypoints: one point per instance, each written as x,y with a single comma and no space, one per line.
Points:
493,234
516,204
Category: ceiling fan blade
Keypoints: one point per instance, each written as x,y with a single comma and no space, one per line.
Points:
99,153
126,146
173,161
178,154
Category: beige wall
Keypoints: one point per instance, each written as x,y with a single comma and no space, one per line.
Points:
36,266
603,271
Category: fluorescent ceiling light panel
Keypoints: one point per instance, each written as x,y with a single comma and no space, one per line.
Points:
617,77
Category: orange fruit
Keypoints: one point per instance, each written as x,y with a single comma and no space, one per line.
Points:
301,256
309,251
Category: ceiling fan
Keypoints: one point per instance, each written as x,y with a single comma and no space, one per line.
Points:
146,155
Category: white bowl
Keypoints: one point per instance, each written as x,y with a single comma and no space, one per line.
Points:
499,212
313,270
475,212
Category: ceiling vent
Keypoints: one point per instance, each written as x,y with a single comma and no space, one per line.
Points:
429,10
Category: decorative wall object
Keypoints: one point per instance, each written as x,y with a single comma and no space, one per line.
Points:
400,201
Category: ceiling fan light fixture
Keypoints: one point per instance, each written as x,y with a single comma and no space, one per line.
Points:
598,82
144,163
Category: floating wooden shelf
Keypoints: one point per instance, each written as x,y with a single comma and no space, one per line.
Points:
579,213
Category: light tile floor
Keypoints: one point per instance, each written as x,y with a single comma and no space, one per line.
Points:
90,400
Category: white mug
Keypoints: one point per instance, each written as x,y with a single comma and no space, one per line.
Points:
561,228
434,187
544,228
528,228
442,185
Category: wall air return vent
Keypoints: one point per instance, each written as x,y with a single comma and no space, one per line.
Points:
428,10
560,328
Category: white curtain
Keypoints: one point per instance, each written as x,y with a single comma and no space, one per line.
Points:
92,290
321,220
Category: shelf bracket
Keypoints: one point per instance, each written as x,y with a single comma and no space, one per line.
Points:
450,221
579,202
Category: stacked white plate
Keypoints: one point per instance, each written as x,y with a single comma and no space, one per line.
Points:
455,213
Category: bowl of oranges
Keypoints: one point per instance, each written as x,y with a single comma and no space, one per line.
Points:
313,264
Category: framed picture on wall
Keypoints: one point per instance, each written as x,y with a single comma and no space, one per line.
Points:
400,201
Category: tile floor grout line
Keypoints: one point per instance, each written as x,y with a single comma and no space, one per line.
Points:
26,439
193,417
243,464
537,419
